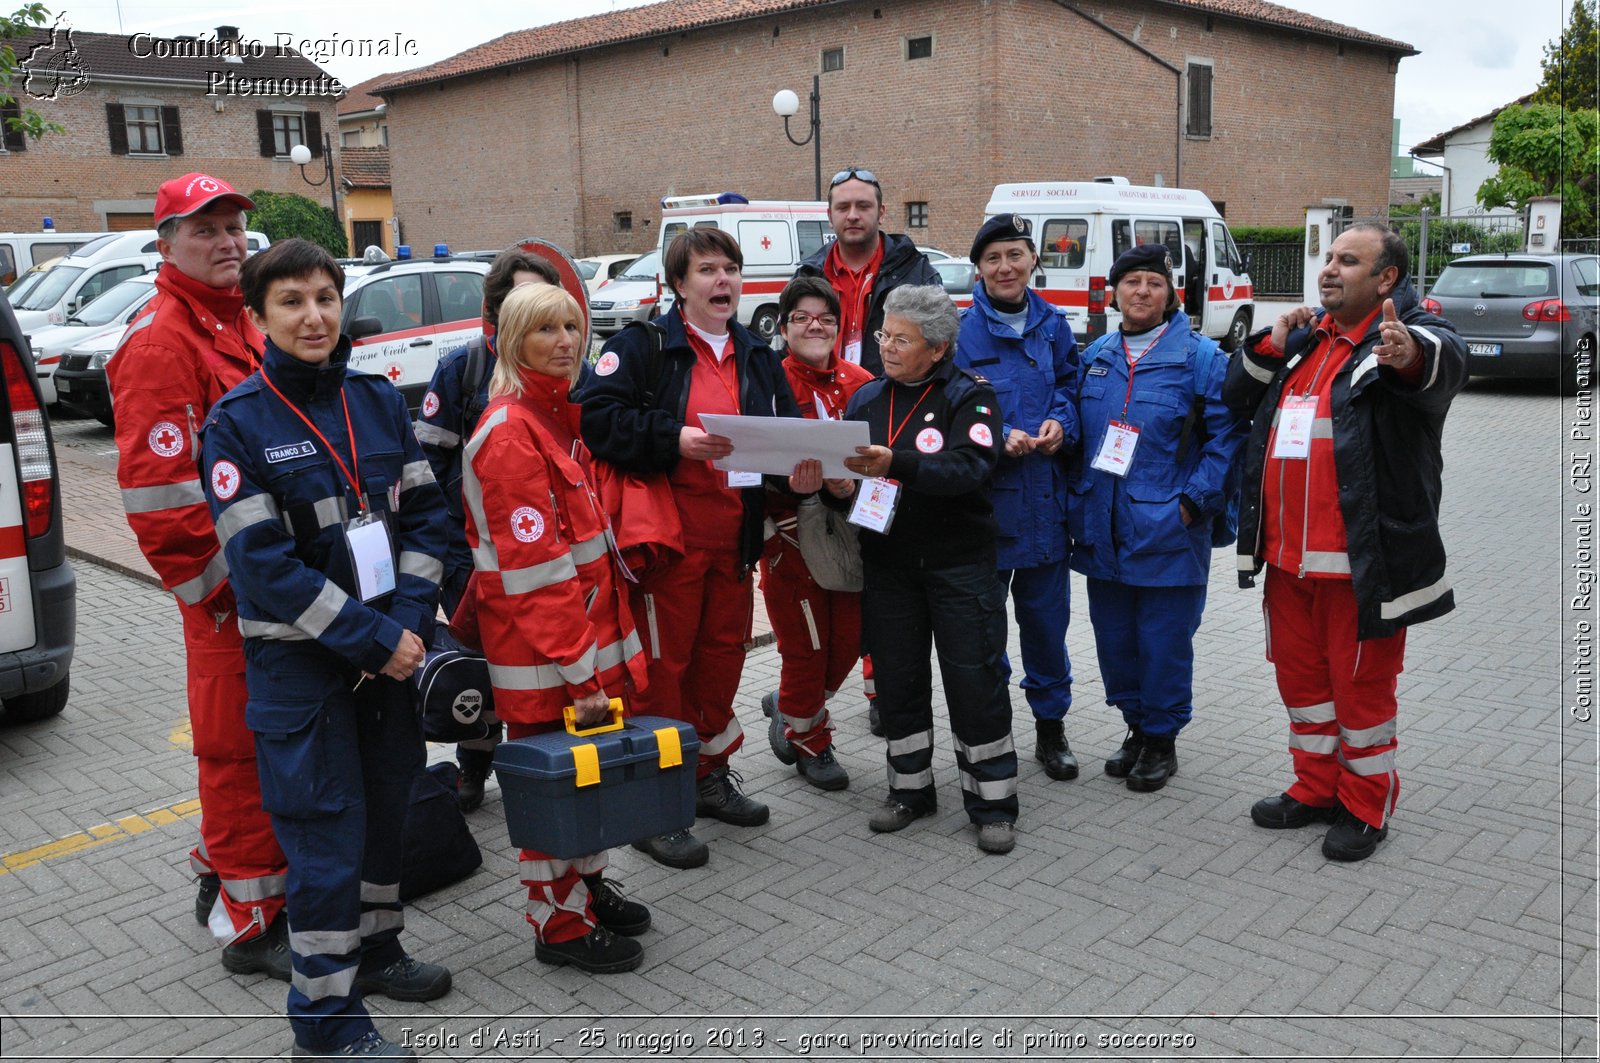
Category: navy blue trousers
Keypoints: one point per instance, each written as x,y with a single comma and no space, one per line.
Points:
1041,603
1144,638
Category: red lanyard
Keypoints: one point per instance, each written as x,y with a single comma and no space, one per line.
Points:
703,347
355,459
894,433
1133,363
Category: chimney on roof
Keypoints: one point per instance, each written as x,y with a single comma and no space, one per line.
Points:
227,34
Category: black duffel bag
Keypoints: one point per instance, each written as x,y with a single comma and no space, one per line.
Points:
439,846
454,699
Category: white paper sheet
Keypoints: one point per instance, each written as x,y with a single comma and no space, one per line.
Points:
774,445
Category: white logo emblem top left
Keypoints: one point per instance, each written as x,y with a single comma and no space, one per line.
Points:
225,480
166,439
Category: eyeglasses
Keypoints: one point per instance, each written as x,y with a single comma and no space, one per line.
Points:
804,320
859,174
894,343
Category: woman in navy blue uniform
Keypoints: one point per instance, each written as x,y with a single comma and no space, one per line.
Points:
333,529
1157,441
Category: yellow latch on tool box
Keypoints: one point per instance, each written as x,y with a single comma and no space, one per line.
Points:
670,747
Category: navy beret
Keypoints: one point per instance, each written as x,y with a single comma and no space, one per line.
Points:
1154,258
1001,227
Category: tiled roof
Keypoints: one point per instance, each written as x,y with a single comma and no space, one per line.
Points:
360,99
364,167
113,55
677,16
1435,145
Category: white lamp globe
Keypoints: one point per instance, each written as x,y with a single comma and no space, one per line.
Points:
785,103
299,154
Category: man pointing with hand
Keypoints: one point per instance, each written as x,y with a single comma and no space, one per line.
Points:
1341,506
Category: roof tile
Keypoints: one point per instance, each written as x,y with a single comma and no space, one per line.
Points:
364,167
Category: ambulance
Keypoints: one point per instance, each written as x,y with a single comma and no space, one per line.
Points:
1080,227
774,235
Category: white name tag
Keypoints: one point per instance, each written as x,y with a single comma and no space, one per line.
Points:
852,351
1293,438
875,503
1116,449
371,557
744,479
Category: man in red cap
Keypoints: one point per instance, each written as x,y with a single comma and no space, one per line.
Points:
191,344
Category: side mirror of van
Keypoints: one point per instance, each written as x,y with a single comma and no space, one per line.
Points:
362,327
1039,279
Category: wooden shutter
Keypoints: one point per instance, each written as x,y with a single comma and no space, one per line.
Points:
171,131
117,126
314,133
269,150
1199,124
14,139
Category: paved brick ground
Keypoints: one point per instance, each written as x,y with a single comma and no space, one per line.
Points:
1471,933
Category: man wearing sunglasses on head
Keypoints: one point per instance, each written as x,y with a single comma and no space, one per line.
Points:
863,264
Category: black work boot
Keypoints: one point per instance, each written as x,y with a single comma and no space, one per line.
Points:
1121,762
266,953
718,796
614,911
206,897
777,732
1158,761
475,764
597,952
1051,750
678,849
874,718
404,979
370,1045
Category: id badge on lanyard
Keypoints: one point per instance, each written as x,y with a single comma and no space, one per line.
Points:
366,537
1116,449
1295,421
875,504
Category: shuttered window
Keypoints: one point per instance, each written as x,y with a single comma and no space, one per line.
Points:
13,139
1199,110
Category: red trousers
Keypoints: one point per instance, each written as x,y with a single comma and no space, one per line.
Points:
693,615
1340,694
819,639
236,840
560,906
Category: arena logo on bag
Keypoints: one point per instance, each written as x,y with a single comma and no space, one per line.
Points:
467,706
980,434
930,440
225,479
430,404
526,524
607,364
166,439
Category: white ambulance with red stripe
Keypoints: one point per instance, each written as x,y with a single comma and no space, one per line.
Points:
774,235
1080,227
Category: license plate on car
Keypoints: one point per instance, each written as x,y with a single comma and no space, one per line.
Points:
1486,350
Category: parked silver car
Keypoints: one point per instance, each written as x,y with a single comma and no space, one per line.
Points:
1523,315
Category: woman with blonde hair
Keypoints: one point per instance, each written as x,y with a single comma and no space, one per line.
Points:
552,612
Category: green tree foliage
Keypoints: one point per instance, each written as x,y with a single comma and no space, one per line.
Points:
1572,64
1545,150
284,215
19,24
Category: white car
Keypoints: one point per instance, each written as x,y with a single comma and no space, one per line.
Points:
403,316
635,295
933,254
104,318
597,269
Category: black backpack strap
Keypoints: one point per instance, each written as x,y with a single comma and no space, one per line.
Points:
1197,408
656,369
473,375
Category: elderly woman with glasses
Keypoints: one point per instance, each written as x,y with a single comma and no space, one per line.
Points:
928,543
818,630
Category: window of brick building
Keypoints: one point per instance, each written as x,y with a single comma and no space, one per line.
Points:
288,129
11,139
832,59
1198,122
143,129
278,131
919,47
622,221
917,215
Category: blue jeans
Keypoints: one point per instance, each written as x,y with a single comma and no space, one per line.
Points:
960,609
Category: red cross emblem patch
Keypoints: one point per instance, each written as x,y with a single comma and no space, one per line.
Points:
430,404
166,439
526,524
225,480
930,440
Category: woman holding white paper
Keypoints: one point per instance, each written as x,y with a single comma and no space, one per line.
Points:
928,542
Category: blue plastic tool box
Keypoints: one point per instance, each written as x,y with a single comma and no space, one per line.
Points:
571,793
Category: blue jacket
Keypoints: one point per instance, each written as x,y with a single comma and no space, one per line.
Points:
1129,529
280,503
1035,378
444,423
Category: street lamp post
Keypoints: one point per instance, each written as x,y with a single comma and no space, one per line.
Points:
300,155
786,104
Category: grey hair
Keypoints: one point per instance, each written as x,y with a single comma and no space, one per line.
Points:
928,307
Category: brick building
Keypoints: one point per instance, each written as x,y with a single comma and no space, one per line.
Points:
575,130
138,110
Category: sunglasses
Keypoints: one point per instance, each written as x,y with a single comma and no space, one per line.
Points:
860,175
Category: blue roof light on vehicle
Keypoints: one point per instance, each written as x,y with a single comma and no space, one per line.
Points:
708,200
441,250
49,224
403,251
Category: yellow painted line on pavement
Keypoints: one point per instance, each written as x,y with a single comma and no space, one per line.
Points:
182,736
126,827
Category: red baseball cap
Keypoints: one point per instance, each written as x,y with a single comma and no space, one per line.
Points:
183,196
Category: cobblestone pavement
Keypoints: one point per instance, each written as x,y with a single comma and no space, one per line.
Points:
1123,926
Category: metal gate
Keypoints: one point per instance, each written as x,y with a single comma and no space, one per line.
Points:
1435,240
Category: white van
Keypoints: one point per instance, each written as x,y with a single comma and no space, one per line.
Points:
20,252
93,269
774,235
1080,227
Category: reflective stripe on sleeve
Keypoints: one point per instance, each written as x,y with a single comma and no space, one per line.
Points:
416,563
266,629
432,435
1328,563
1414,600
195,591
1259,372
157,497
323,610
549,676
415,474
536,577
328,511
244,513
